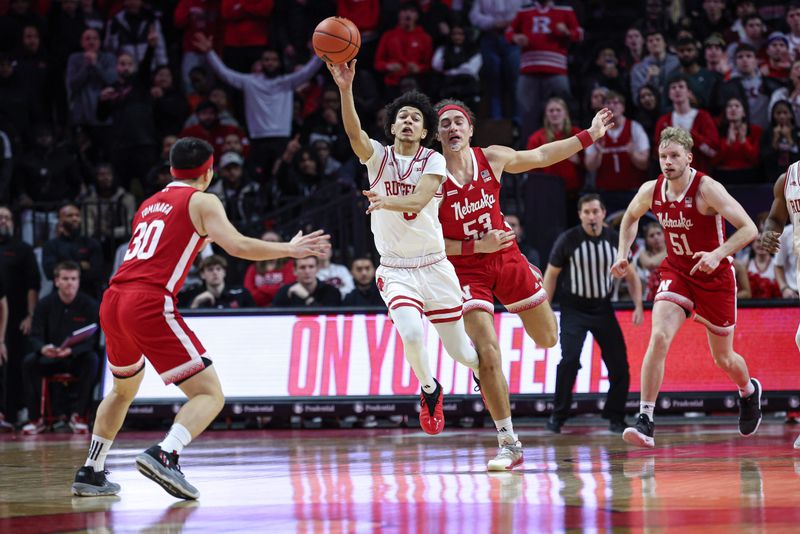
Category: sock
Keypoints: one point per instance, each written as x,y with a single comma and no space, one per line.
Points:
505,431
177,438
647,408
748,390
98,450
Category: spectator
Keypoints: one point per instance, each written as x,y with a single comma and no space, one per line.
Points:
557,126
159,175
761,271
604,72
743,8
65,31
743,289
268,100
57,316
214,293
210,129
365,292
647,259
326,124
219,97
15,106
656,68
33,66
748,84
786,266
92,16
790,94
18,16
712,19
132,31
780,143
634,49
737,161
793,23
405,50
169,105
88,72
500,57
649,109
21,274
702,82
308,290
779,59
298,173
322,150
109,208
196,16
263,279
459,63
716,58
754,36
200,86
46,176
241,196
528,251
334,274
619,158
244,26
70,245
129,104
543,32
597,99
697,121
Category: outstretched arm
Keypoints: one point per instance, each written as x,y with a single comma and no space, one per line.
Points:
423,193
778,215
343,75
515,161
629,226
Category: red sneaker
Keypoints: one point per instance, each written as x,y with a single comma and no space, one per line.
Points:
34,427
78,424
431,414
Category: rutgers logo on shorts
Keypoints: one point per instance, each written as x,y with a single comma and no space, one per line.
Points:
380,284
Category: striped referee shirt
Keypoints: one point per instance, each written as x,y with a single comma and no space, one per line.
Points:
585,263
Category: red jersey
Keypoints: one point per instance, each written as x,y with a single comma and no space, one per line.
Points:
686,230
547,48
164,242
617,171
469,211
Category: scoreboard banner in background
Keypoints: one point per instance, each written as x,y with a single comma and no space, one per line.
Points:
282,357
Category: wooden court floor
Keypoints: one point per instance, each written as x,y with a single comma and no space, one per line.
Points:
700,478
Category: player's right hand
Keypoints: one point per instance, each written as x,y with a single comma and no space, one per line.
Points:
314,244
771,241
620,268
343,73
376,201
496,239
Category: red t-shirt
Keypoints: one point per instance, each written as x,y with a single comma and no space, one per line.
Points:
571,173
264,286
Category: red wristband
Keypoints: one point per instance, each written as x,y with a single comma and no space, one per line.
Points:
467,247
585,138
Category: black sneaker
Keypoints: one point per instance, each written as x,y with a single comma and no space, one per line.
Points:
554,425
750,411
641,434
162,468
91,483
617,426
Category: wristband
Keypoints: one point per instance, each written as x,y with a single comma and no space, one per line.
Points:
467,247
585,138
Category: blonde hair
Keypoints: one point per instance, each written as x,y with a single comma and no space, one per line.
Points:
566,129
680,136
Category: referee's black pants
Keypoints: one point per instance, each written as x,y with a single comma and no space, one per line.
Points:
603,325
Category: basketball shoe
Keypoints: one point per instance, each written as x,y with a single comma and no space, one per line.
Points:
78,424
91,483
508,457
641,434
34,427
750,411
479,390
431,414
162,468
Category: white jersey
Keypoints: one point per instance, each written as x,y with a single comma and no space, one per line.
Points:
791,191
405,235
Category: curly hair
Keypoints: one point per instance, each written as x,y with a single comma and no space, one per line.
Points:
417,100
454,102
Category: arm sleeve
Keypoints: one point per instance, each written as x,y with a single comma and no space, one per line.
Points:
640,139
437,165
49,259
437,63
575,30
229,76
38,330
477,17
301,76
558,256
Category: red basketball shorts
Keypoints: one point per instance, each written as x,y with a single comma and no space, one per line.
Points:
143,324
509,276
713,299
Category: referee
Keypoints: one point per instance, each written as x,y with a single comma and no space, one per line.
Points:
581,262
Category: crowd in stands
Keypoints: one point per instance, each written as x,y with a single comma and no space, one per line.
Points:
93,93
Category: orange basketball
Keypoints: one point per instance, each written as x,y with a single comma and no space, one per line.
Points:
336,40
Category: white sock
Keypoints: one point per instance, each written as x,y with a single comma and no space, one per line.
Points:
505,431
408,323
457,343
748,390
177,438
647,408
98,450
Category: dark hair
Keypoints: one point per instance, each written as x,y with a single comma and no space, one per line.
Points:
744,47
211,261
788,106
655,32
67,265
723,121
413,99
454,102
590,197
189,152
684,41
362,257
752,16
677,78
613,95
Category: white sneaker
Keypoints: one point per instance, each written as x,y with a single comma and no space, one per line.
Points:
508,457
797,443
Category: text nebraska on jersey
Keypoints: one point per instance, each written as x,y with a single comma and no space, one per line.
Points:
462,209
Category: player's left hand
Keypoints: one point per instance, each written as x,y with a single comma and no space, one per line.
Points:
708,262
316,243
376,201
638,315
602,122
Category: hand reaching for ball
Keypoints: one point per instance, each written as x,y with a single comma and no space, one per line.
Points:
343,74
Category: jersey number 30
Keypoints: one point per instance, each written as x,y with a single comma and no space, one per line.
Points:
145,240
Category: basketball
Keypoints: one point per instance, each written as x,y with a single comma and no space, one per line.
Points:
336,40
